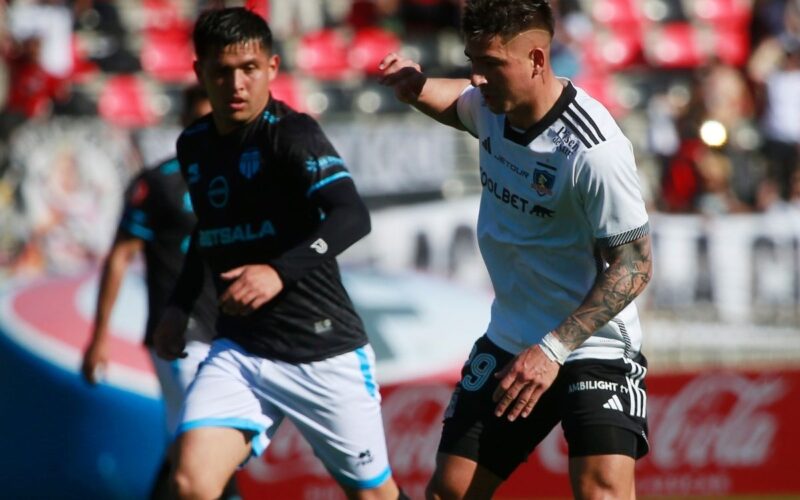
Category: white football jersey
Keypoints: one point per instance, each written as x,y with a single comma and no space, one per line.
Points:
552,196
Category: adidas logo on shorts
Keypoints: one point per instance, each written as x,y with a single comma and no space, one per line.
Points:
613,403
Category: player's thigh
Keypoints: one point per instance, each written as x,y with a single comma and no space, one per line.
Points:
335,404
174,378
473,432
602,476
225,394
208,456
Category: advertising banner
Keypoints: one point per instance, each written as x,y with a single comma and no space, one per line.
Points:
715,432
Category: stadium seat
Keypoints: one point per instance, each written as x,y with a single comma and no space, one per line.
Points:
674,45
167,54
615,12
83,69
614,49
601,87
324,55
287,89
124,101
369,46
731,44
161,14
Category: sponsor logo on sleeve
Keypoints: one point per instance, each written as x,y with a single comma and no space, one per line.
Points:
320,246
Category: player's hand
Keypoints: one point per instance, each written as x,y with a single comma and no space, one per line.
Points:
403,75
250,287
168,337
523,381
95,359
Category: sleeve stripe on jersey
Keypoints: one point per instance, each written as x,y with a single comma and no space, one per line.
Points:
139,231
324,182
579,121
588,117
576,131
626,237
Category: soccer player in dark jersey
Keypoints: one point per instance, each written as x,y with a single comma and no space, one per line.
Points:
564,234
275,205
157,219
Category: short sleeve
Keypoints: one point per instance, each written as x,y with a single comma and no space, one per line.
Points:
137,214
608,185
467,106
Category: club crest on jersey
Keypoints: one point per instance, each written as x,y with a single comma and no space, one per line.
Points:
543,182
250,163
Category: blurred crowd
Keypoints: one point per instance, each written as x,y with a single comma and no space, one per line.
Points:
708,91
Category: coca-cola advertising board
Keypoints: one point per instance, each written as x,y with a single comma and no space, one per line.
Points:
711,433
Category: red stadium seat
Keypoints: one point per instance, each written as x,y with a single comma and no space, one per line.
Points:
161,14
731,44
83,69
601,87
615,12
287,89
369,46
167,54
674,45
614,49
125,102
323,55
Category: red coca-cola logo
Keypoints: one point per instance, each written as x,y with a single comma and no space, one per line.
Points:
720,420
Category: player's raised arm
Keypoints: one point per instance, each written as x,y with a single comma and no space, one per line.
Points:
436,97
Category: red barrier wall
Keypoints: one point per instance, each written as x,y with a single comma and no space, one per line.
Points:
711,433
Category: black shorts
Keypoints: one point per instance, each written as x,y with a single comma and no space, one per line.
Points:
601,405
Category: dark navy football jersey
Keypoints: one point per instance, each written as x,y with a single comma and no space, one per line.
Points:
276,192
158,211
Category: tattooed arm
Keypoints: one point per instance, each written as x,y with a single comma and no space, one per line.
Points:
531,372
629,272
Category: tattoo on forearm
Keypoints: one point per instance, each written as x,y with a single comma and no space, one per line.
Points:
629,272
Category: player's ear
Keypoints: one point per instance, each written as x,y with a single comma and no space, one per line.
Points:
537,59
273,66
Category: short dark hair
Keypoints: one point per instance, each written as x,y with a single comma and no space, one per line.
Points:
216,29
484,19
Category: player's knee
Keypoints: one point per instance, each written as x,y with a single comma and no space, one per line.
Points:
600,486
440,489
194,486
386,491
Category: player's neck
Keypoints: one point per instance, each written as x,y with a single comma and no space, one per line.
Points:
544,95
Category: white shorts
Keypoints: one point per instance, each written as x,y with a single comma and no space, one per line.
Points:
334,403
175,377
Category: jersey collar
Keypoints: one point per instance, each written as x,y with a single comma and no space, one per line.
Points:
525,138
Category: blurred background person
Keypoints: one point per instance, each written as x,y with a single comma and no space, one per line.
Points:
780,121
158,221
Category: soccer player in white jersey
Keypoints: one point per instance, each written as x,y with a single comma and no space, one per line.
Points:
565,237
